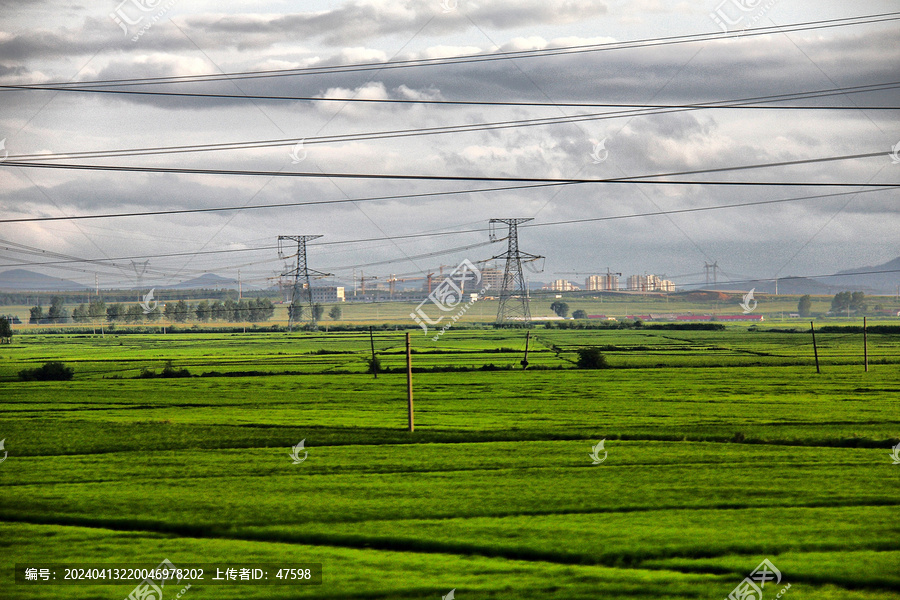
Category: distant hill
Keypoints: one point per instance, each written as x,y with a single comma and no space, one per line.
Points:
786,285
862,278
208,281
21,280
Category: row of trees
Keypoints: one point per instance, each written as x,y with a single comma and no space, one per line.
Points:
562,310
300,312
57,312
5,331
852,301
253,311
842,302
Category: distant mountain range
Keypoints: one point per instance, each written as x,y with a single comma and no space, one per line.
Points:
208,281
864,279
860,279
20,280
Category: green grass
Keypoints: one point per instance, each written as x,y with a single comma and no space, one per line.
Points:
733,450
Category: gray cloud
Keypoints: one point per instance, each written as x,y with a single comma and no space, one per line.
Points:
357,21
752,241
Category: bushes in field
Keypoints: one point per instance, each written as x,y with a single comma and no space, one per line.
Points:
591,358
168,372
374,364
50,371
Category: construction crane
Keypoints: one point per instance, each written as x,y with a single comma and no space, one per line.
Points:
393,279
362,282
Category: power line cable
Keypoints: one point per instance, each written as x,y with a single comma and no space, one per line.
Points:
427,131
631,179
505,103
510,55
465,231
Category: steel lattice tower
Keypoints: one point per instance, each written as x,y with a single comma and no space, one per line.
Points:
514,294
140,273
299,295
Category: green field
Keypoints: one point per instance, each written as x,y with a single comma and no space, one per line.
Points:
776,310
724,448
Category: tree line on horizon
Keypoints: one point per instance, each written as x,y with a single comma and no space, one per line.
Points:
253,311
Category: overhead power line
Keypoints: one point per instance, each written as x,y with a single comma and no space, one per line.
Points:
182,211
435,102
498,56
653,179
677,211
400,197
460,231
445,129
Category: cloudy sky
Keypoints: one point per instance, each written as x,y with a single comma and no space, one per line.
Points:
56,42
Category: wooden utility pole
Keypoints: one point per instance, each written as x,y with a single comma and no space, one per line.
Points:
409,391
812,328
865,347
372,343
525,360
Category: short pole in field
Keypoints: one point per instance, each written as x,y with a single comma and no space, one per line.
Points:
525,359
409,389
812,328
372,343
865,347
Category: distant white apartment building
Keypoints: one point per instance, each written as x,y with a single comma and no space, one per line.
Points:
492,277
561,285
650,283
596,283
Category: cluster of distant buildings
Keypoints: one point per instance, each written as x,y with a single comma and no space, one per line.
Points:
610,283
491,278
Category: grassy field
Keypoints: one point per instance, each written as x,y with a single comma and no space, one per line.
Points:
724,448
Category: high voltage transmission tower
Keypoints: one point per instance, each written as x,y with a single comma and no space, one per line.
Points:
299,295
139,272
715,270
514,294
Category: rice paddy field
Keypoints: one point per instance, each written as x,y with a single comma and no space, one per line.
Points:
721,449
